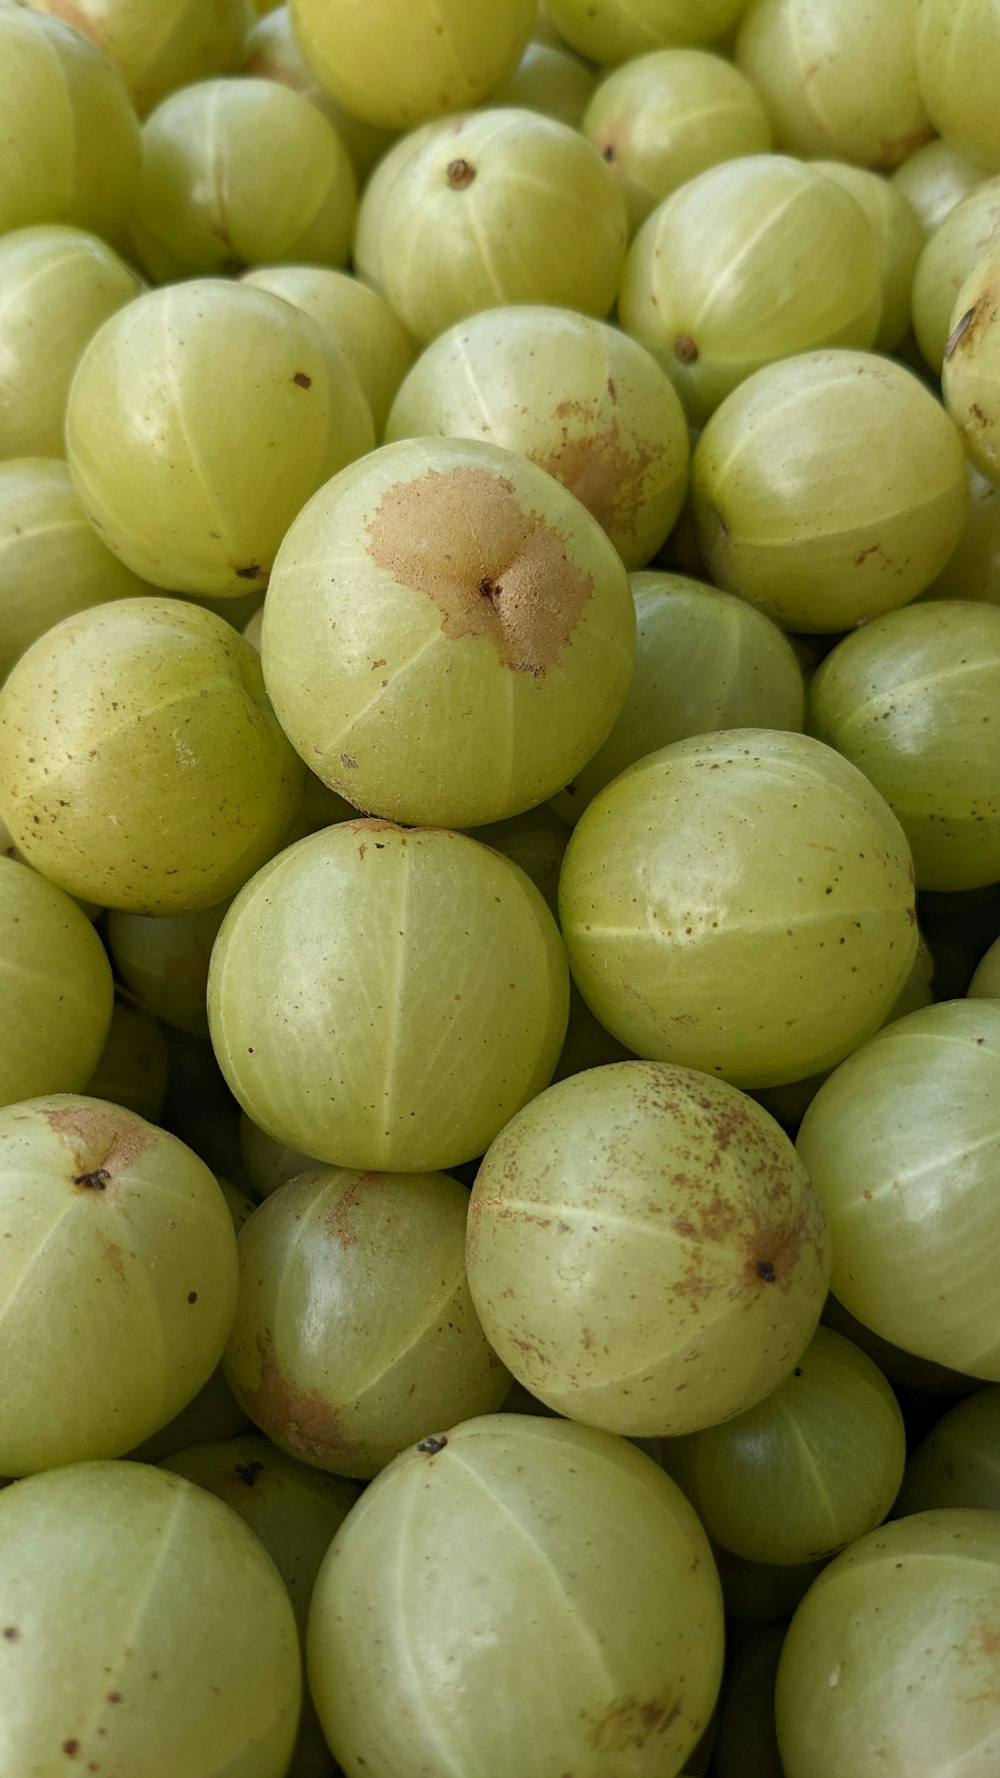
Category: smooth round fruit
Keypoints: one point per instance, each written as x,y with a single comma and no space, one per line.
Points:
448,634
704,661
445,56
56,287
239,172
52,561
889,1665
876,504
958,1464
958,64
985,984
272,51
496,206
141,765
201,419
164,961
902,1143
912,701
158,45
355,318
687,1189
550,79
805,1472
57,988
969,231
355,1333
664,117
616,30
125,1229
570,393
899,237
740,903
754,260
972,571
970,375
268,1162
837,81
72,145
146,1631
576,1572
387,999
936,178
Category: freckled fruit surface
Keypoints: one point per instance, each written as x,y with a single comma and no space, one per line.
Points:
145,1631
577,1576
903,1143
446,630
55,986
355,1332
117,1284
741,903
141,765
645,1251
354,1025
890,1663
201,418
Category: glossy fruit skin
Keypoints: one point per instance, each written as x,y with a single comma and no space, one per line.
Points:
970,375
576,1570
900,236
192,784
902,1143
313,951
152,1634
58,990
911,699
684,1187
706,922
614,31
447,634
969,231
158,45
957,63
889,1664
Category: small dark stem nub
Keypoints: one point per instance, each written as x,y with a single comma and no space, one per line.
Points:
248,1472
765,1270
431,1446
95,1181
685,349
490,588
460,174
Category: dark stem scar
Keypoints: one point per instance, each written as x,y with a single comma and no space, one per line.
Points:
96,1181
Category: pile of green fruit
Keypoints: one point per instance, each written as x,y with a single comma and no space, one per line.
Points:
499,889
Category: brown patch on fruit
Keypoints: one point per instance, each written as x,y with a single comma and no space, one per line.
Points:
460,175
250,571
301,380
966,335
631,1724
899,148
304,1420
104,1141
337,1223
113,1255
599,468
449,533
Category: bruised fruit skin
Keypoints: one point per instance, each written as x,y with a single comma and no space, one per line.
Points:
355,1332
970,376
126,1230
55,985
690,1249
446,630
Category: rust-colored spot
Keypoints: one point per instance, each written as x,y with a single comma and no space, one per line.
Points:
447,532
685,349
337,1223
301,380
113,1255
630,1724
72,1747
765,1270
250,571
894,149
600,469
460,175
104,1141
304,1421
96,1181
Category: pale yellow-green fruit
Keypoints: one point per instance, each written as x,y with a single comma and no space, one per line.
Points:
985,983
357,320
550,79
201,419
164,961
740,903
268,1162
355,1333
72,144
446,55
617,1659
875,507
126,1228
536,841
972,571
704,661
52,561
685,1187
753,260
495,206
448,634
967,234
616,30
958,63
804,1472
57,285
572,394
272,52
899,236
664,117
158,45
958,1464
837,81
935,178
237,172
57,988
153,1634
970,375
134,1063
316,1063
141,765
